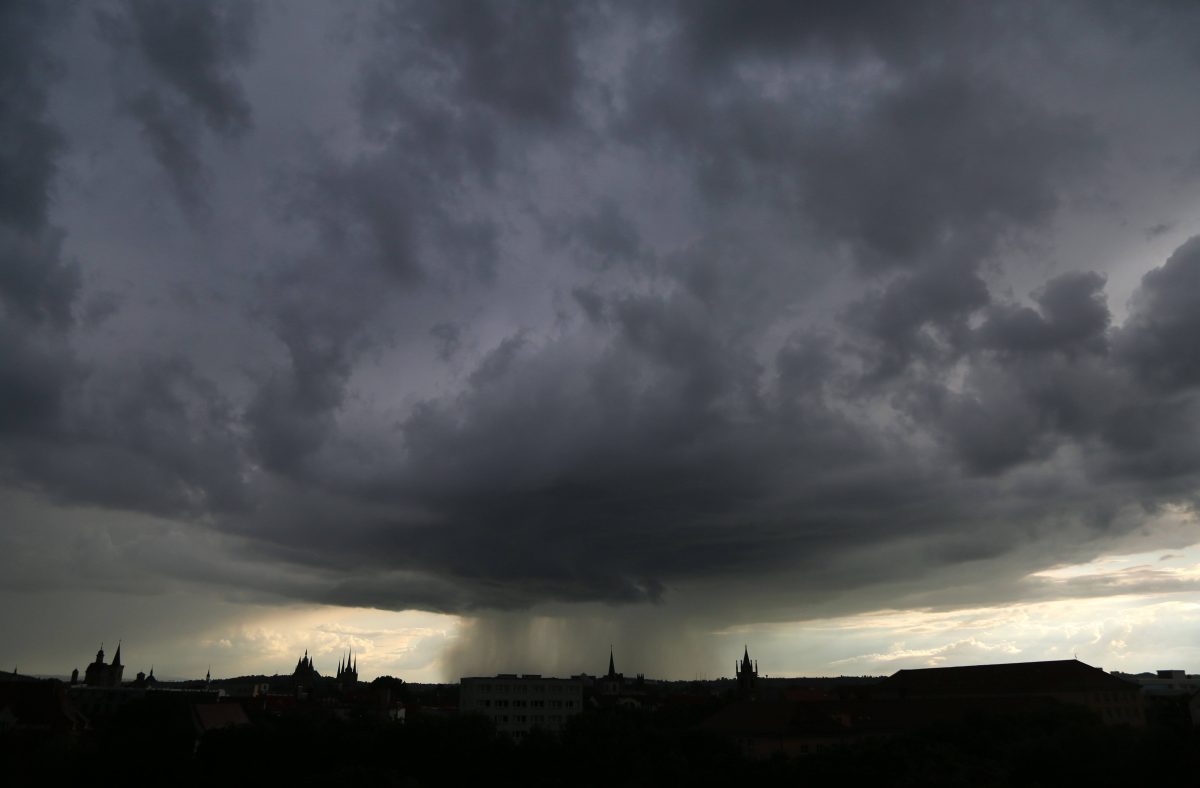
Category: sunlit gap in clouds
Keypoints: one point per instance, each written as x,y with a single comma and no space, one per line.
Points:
406,644
1131,612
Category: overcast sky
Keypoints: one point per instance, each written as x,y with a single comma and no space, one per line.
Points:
479,336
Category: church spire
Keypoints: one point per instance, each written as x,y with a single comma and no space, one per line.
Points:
612,667
117,656
747,673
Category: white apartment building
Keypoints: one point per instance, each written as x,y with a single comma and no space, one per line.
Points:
518,704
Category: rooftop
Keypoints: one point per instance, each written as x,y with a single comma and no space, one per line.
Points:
1068,675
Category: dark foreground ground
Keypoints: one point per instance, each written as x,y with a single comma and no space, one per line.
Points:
1057,747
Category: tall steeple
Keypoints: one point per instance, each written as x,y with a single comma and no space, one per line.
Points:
117,657
747,673
612,667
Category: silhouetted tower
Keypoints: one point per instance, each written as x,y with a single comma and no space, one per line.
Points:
747,674
347,674
99,674
612,683
143,680
306,673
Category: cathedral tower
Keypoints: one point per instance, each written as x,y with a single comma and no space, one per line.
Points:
747,674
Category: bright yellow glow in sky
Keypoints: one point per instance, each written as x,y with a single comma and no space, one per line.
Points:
405,644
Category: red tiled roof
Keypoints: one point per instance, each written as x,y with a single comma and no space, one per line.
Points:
210,716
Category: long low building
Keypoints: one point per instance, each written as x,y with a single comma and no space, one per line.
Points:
1115,701
518,704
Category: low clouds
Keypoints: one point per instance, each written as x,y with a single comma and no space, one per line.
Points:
727,314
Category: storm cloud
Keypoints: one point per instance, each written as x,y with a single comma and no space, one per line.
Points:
735,313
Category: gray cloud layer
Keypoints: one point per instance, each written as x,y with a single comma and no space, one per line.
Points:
476,306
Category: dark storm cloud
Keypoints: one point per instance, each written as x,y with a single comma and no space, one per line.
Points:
36,282
31,142
1159,339
896,319
142,439
605,233
1018,403
517,58
407,206
173,143
592,304
35,370
157,438
291,413
721,31
944,165
1071,314
925,162
508,68
190,46
175,76
1042,377
449,337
